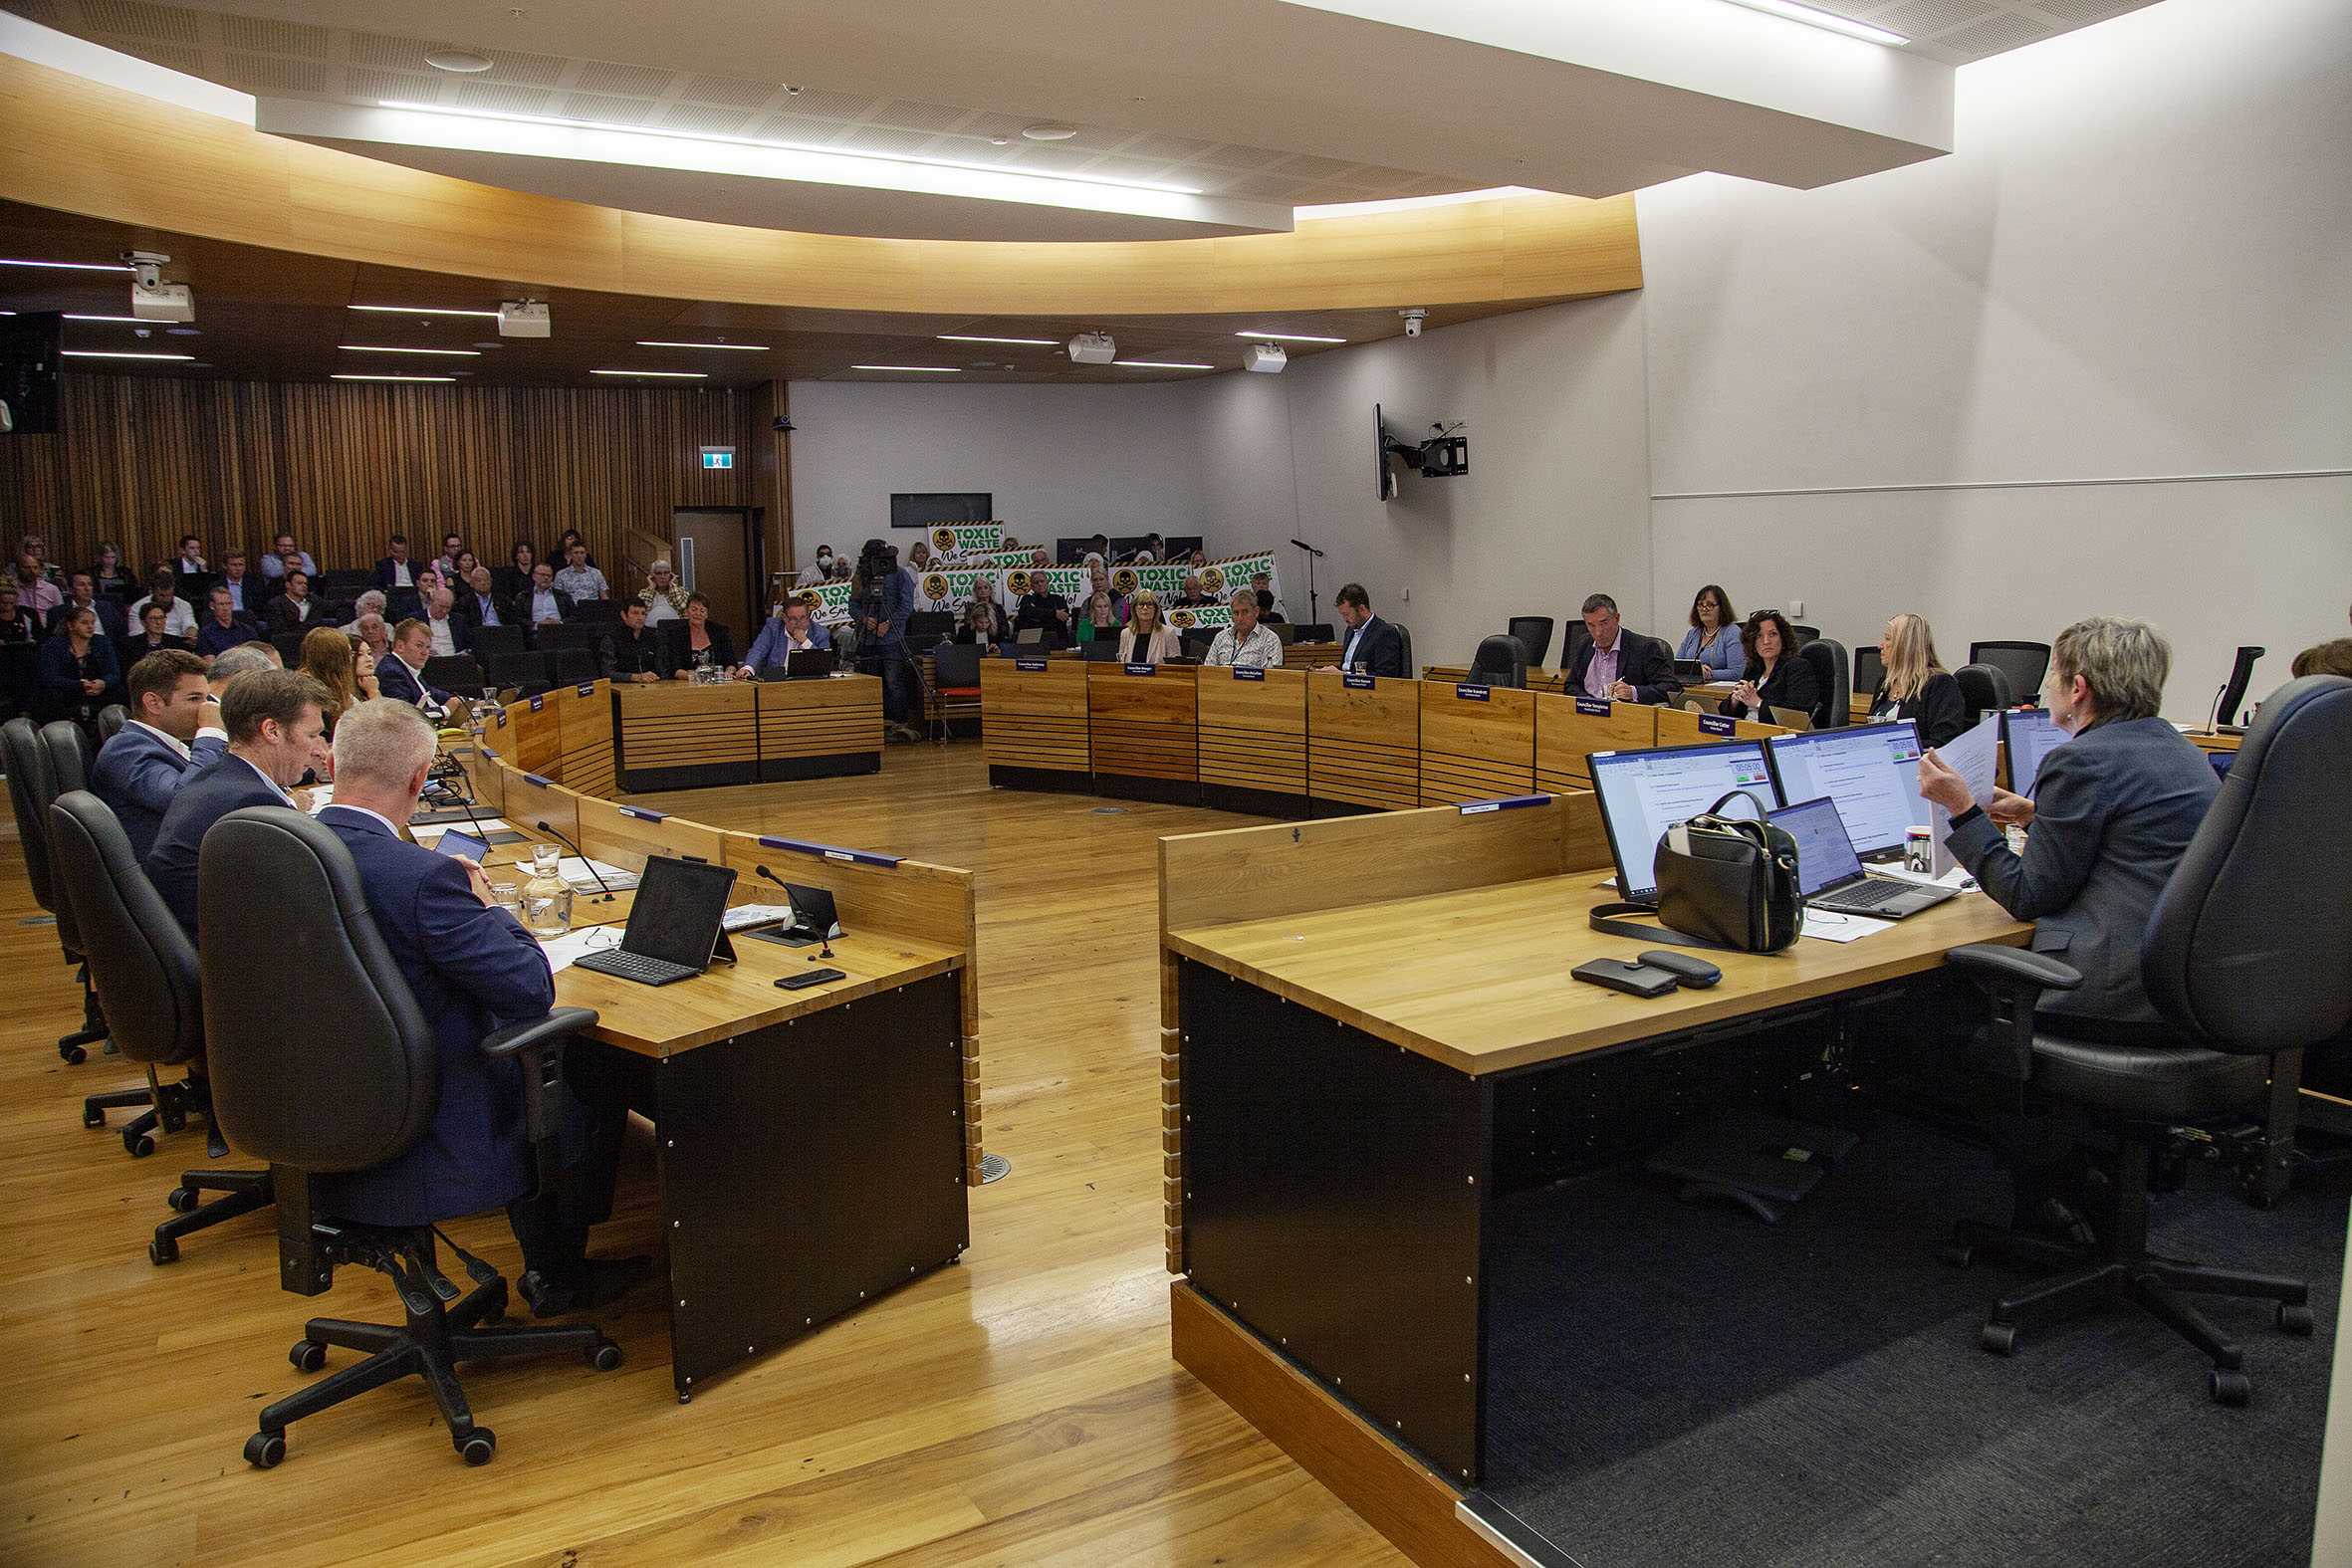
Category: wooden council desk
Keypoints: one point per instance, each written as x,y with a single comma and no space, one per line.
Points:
1343,1004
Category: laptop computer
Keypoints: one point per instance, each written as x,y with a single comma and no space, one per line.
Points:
1691,672
673,926
806,662
1829,874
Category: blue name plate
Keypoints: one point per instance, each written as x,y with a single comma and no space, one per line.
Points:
641,814
1471,693
542,782
1714,724
1242,672
1593,707
1143,669
586,688
1510,803
803,846
538,702
502,718
1359,683
1031,665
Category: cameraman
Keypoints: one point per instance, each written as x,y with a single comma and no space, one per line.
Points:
880,596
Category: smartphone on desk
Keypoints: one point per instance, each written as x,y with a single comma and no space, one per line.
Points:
815,977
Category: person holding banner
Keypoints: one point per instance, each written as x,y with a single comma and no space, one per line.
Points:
1245,643
1148,639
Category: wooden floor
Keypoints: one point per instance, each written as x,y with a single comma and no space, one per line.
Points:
1021,1409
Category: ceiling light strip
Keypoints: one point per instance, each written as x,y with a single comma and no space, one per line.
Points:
65,266
1159,364
345,376
1025,343
1290,338
926,369
1827,20
418,310
680,375
470,353
112,354
656,342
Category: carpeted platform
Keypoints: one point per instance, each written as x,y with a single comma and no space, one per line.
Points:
1812,1395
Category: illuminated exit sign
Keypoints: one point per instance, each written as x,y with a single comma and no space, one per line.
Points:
718,457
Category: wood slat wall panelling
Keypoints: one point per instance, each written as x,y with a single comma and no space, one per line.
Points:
1476,748
1253,739
1363,744
809,728
1034,723
1143,731
584,725
1565,736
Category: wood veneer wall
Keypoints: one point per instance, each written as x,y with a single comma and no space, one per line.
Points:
142,461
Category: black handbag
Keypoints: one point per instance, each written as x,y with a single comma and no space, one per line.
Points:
1731,884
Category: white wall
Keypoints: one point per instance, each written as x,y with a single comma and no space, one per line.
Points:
1060,460
2132,266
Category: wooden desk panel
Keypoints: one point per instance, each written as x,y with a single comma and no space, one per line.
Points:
533,798
535,741
1363,742
1143,729
1476,748
1253,739
624,835
1032,722
2214,743
1565,736
1681,727
1538,680
678,734
583,726
816,729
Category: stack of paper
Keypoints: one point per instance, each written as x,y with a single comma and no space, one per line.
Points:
585,874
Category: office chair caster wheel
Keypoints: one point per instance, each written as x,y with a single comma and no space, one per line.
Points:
1957,1255
1998,1338
184,1200
2295,1317
139,1145
605,1355
264,1449
477,1447
2230,1387
75,1056
93,1116
163,1250
308,1355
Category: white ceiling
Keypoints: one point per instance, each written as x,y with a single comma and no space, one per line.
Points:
1260,104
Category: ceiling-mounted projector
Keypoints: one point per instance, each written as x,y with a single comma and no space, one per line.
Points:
151,298
524,319
1093,348
1267,357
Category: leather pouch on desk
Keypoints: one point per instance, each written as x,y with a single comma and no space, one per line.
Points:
1734,888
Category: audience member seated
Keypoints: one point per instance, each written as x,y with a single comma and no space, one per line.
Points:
345,674
395,570
578,578
818,572
36,595
1042,611
477,607
244,591
151,636
444,635
1620,665
1373,647
223,627
243,659
1099,617
374,636
546,604
1149,639
635,653
561,554
400,676
1199,557
980,628
175,729
1776,685
189,562
1714,637
706,646
1098,582
472,967
33,547
1246,643
373,602
178,620
295,609
461,574
1193,596
78,669
15,624
1916,686
83,592
2327,658
662,596
1269,606
785,634
452,546
285,556
276,736
2113,810
513,577
984,594
1156,548
110,576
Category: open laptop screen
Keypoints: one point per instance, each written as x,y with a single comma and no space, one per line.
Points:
1642,793
676,915
1871,772
1825,857
2032,735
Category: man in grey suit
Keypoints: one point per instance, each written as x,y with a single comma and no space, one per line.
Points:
2112,812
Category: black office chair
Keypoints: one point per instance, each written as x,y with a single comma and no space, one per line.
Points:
490,641
1312,632
343,582
572,666
1500,661
454,672
2243,957
360,1031
1982,689
1804,635
143,966
925,628
1103,651
1534,635
955,687
601,613
1405,636
1828,656
2025,663
1869,670
31,789
289,645
110,720
1196,641
565,634
524,673
2241,671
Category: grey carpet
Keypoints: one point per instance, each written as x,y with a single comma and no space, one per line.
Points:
1681,1385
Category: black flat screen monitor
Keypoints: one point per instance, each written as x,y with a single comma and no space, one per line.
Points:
1642,793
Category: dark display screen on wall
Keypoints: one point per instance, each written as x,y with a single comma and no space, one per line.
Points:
30,365
932,507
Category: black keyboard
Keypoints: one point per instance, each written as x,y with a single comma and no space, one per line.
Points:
634,965
1865,895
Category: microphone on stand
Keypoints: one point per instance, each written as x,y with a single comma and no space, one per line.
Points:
1304,544
583,859
825,941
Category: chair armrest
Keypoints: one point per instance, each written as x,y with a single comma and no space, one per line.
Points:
539,1042
560,1023
2014,980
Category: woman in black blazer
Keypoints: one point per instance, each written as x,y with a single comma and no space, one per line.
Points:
1776,678
705,644
1916,686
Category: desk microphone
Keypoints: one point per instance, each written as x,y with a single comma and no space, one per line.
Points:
825,941
583,859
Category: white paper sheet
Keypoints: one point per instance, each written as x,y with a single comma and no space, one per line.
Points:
1828,927
578,875
430,834
561,951
1974,755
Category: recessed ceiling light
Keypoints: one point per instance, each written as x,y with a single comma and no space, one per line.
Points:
344,376
999,142
463,60
468,353
1027,342
1823,19
184,332
68,265
110,354
1290,338
927,370
656,342
424,312
1159,364
71,317
681,375
490,345
1049,131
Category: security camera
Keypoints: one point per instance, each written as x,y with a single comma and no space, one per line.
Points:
1413,319
782,424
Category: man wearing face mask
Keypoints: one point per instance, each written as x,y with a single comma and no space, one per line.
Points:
819,571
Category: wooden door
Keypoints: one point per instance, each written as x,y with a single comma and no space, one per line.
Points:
714,559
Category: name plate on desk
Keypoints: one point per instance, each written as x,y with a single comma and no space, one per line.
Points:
1143,669
1359,683
1030,666
1509,803
1593,707
537,703
641,814
856,858
502,718
1716,724
586,689
543,783
1471,693
1242,672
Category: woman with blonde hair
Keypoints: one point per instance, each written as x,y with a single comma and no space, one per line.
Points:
1916,686
1148,639
349,676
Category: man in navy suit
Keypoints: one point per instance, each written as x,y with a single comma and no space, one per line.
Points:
1373,647
275,737
83,592
1620,665
402,677
396,570
175,730
786,635
472,967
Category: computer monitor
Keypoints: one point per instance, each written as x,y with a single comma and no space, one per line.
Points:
2032,735
1642,793
677,911
1871,772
